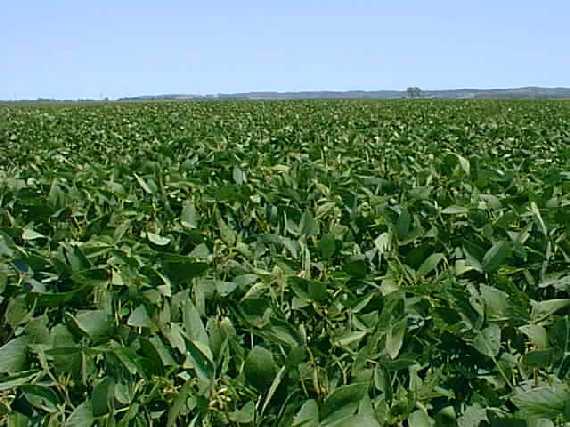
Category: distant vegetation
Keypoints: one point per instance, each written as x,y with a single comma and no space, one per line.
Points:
412,92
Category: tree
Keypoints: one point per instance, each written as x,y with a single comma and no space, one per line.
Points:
414,92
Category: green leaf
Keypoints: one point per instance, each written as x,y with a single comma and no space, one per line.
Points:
189,217
143,184
228,235
13,355
343,396
101,396
260,368
17,311
420,419
317,291
327,246
41,397
202,358
157,239
395,338
37,331
309,225
430,264
7,246
473,416
308,415
82,416
95,323
356,421
275,383
348,338
464,163
496,256
403,224
193,325
183,270
238,175
455,210
30,234
536,212
537,335
543,309
543,402
497,304
488,341
17,380
139,318
356,267
245,415
178,404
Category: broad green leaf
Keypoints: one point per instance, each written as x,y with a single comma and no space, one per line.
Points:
227,234
13,355
356,421
327,246
309,225
543,309
101,396
37,331
41,397
193,325
143,184
497,304
395,338
82,416
178,404
536,212
308,415
17,311
348,338
356,267
30,234
455,210
343,396
245,415
157,239
274,385
183,270
543,402
464,163
496,256
430,264
139,318
420,419
17,380
403,224
488,341
473,416
189,217
260,368
7,246
537,335
202,358
95,323
238,175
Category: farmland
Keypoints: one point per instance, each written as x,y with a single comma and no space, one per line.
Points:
299,263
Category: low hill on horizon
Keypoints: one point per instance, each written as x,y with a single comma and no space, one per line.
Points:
530,92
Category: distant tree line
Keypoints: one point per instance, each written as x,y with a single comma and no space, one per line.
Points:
414,92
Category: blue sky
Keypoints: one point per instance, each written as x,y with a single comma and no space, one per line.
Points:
80,49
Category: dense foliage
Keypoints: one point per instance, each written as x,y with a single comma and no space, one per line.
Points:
285,264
